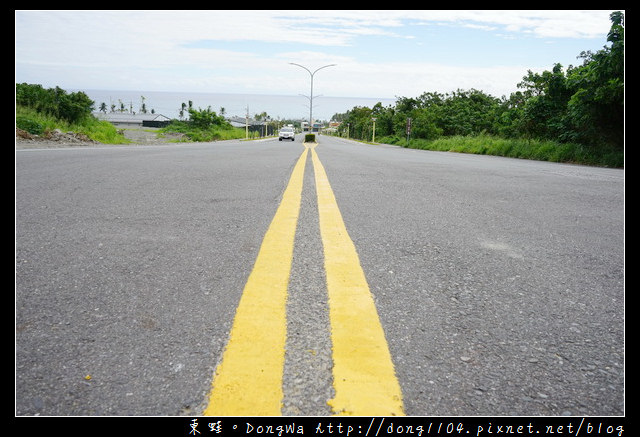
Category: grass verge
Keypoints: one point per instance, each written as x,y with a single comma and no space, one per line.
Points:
541,150
213,133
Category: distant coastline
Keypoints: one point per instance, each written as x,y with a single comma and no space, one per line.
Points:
168,103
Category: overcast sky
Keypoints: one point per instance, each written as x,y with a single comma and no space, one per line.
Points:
379,54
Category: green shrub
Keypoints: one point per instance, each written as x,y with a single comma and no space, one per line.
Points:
28,119
205,118
196,133
73,107
29,125
543,150
310,138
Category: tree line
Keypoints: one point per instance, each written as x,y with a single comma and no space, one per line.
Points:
583,105
71,107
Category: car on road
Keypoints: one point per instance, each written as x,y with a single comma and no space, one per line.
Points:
287,133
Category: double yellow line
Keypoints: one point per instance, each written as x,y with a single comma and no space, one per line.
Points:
248,381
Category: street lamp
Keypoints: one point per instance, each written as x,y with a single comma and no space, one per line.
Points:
311,95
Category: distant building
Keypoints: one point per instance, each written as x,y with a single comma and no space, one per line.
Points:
333,127
124,118
261,128
316,127
242,122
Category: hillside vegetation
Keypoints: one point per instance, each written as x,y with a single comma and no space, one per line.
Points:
41,111
570,115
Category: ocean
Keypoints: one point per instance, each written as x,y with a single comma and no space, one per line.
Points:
279,107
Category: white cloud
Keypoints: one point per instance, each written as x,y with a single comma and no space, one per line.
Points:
550,23
214,51
412,79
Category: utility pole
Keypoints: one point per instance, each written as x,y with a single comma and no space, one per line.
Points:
246,124
373,140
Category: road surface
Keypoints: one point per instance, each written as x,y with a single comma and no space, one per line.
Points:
484,285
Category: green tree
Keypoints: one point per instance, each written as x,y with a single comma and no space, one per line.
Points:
75,106
71,107
585,104
423,112
424,124
596,109
384,119
466,112
359,122
205,118
547,95
510,115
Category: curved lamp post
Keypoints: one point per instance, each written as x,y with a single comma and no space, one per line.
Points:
311,95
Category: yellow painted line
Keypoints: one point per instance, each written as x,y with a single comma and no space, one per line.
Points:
364,377
248,381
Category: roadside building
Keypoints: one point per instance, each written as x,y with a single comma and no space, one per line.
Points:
260,128
127,119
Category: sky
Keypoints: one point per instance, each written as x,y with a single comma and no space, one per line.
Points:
377,54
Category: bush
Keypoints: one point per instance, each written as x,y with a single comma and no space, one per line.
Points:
38,123
310,138
29,125
212,132
205,118
56,102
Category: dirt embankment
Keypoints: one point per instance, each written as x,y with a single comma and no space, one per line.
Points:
57,138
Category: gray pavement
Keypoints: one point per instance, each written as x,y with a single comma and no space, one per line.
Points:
499,282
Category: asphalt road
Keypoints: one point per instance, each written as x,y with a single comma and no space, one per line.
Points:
499,283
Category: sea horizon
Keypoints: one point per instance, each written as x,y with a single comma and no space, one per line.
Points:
279,107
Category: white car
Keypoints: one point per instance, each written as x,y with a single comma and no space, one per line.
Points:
287,133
